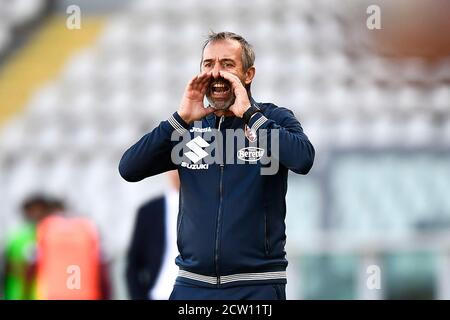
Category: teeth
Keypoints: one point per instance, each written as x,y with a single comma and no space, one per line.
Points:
220,87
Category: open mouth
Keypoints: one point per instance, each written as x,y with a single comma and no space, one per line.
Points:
220,94
220,89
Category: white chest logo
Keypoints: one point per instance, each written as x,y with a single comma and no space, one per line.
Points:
250,154
195,129
197,152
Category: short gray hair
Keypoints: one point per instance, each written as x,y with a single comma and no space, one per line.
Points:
248,55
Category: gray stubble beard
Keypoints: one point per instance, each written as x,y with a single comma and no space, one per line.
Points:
221,105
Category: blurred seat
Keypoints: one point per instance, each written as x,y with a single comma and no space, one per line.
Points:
20,12
440,100
420,130
5,37
14,138
441,71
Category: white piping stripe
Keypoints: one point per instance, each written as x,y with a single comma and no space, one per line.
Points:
199,277
176,121
261,122
258,123
187,274
196,275
179,124
250,276
233,277
200,280
255,275
176,125
173,121
250,279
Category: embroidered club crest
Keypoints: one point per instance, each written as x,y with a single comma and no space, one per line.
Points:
250,134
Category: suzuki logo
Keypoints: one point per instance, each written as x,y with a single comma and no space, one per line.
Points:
197,152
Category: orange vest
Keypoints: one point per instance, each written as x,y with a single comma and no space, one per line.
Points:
68,260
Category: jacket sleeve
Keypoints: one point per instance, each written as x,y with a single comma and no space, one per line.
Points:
151,155
295,150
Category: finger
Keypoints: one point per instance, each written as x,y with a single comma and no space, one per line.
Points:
192,81
193,84
230,77
203,89
231,108
209,110
236,83
203,76
205,79
234,80
200,80
205,82
207,76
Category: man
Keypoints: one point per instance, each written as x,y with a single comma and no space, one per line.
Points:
231,229
151,270
20,250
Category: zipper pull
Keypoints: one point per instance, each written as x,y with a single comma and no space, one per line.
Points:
222,118
220,121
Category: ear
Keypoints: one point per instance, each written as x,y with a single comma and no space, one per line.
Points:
249,75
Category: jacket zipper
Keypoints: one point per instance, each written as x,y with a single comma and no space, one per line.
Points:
266,234
219,214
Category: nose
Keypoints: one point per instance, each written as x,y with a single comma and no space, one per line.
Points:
215,70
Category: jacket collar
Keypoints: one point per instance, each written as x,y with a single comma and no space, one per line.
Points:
211,118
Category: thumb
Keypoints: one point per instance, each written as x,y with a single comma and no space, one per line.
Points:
209,110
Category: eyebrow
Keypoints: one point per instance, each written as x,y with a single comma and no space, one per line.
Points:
221,60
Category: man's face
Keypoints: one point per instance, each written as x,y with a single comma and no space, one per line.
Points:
223,55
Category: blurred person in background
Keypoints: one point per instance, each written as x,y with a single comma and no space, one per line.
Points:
20,252
69,263
231,229
151,271
56,206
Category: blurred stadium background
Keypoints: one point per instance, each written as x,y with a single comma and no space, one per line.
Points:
375,104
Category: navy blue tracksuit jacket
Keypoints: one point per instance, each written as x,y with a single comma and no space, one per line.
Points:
231,221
